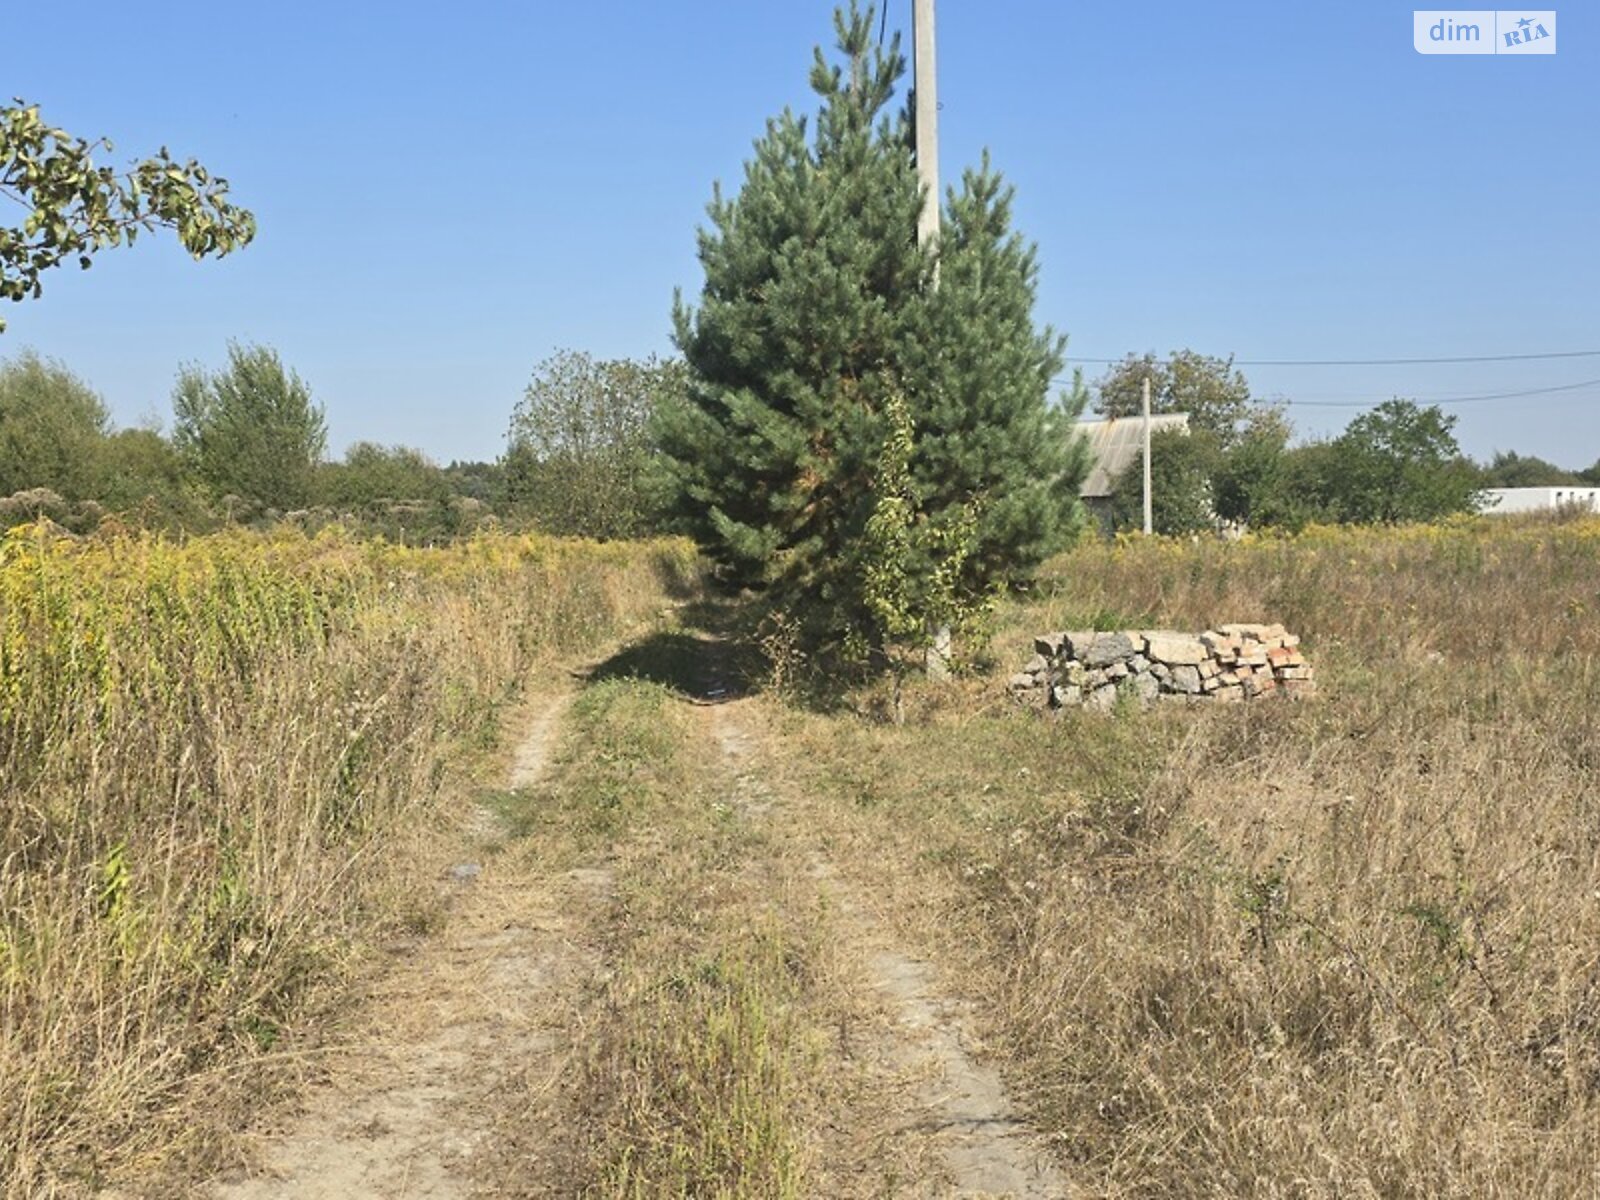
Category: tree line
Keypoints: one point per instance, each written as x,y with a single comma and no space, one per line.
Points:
1238,463
583,457
862,426
247,444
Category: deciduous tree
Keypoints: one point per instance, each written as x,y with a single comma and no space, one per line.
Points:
251,430
577,454
52,426
76,207
1399,462
1509,469
1182,495
1211,390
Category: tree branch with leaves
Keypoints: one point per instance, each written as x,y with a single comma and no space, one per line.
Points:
911,567
76,208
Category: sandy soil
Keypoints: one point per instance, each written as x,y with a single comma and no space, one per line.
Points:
958,1103
410,1111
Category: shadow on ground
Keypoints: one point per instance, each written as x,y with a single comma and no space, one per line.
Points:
712,660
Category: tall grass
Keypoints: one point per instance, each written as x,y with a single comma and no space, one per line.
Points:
1471,590
1340,949
207,751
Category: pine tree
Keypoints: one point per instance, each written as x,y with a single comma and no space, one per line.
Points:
983,373
813,282
819,306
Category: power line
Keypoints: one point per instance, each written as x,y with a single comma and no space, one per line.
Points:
1290,402
1540,391
1368,362
1373,362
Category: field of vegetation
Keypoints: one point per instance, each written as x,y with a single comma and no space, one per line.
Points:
212,754
1339,948
351,844
1342,948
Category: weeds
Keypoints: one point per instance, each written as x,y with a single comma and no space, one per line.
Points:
211,751
1345,948
699,1071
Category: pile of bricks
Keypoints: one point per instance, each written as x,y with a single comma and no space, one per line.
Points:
1230,663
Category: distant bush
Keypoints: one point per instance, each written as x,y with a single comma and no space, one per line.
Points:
578,451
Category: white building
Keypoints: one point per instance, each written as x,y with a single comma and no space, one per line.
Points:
1540,499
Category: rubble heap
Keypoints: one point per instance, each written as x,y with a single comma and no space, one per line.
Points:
1230,663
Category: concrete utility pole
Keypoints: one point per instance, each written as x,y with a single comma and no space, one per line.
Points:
936,663
1148,524
927,120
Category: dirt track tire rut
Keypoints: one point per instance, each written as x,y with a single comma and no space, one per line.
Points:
409,1109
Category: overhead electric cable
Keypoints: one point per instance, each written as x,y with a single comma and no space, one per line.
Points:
1539,391
1369,362
1290,402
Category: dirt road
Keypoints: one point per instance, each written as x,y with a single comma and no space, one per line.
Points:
474,1068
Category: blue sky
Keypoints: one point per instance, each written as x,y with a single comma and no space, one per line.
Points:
448,194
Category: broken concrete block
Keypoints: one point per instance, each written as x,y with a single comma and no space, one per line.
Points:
1108,648
1186,679
1176,649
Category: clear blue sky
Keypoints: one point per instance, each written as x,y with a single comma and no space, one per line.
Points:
448,194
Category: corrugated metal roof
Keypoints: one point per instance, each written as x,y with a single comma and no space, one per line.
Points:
1116,444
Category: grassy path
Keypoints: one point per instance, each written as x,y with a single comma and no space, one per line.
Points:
660,983
957,1107
410,1107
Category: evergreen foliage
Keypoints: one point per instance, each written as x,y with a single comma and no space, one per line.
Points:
818,306
987,432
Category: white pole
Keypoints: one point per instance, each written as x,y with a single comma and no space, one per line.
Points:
1148,524
927,115
936,663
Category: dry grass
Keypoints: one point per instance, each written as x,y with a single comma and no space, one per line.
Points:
711,1052
211,752
1341,949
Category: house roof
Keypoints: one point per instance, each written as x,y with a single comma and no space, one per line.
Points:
1115,445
